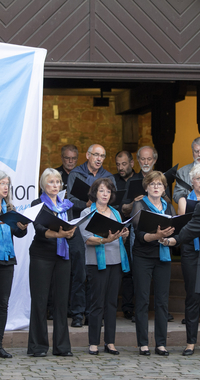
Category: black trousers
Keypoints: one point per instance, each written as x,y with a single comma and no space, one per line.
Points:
6,277
144,270
127,282
104,288
78,275
192,301
41,272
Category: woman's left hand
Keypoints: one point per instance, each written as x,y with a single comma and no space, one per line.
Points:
66,234
125,233
22,226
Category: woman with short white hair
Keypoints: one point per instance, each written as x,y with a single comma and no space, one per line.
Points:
7,255
189,263
49,259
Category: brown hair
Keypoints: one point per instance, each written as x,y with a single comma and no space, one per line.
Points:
150,177
94,188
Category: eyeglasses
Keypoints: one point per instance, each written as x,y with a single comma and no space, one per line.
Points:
98,155
196,151
70,158
156,184
56,183
4,184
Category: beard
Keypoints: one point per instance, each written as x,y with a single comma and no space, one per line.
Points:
147,168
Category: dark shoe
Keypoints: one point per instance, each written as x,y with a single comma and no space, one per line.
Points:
183,321
113,352
170,317
69,353
161,352
128,314
145,352
133,319
40,354
76,323
4,354
187,352
93,352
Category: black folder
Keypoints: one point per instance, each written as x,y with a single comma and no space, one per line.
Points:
13,217
52,222
149,221
170,174
190,205
135,189
182,183
80,190
101,225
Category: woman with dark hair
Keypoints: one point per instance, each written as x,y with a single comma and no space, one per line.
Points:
50,260
7,255
151,261
106,258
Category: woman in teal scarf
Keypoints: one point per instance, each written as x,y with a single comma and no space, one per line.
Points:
7,255
190,262
150,260
106,258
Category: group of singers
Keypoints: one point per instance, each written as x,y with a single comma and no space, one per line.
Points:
105,258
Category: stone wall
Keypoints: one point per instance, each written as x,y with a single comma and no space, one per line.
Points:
82,124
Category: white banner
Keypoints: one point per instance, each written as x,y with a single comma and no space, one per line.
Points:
21,92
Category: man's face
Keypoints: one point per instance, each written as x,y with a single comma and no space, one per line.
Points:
146,160
124,166
95,158
196,153
69,160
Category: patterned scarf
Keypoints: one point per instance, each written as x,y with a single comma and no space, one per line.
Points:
6,244
164,252
100,249
60,209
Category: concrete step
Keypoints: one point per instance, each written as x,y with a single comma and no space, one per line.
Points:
125,334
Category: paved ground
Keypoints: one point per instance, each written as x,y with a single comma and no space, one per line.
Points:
82,366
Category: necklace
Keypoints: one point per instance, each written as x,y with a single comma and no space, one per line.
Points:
101,211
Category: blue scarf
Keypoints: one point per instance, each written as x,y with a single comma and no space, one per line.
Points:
164,252
60,209
100,249
193,196
6,244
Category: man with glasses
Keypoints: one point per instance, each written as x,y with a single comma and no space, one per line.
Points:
69,157
183,173
88,172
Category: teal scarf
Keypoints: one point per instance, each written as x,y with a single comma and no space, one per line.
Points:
193,196
6,244
100,249
164,252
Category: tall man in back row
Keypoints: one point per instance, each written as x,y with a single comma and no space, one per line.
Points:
69,157
124,163
88,172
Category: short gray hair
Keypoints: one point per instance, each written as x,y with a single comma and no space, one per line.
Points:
194,172
7,199
45,174
155,153
70,147
196,141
